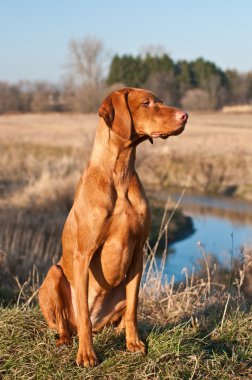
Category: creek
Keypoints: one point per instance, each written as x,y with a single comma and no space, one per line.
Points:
222,225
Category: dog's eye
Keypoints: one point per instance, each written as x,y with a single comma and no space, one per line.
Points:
146,103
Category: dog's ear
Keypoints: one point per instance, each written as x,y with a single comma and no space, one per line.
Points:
106,111
114,110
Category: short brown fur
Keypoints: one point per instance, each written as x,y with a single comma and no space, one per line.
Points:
96,281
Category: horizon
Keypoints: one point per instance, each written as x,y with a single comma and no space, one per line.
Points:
36,47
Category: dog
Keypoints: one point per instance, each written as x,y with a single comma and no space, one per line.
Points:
96,281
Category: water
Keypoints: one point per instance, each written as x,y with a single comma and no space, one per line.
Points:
216,220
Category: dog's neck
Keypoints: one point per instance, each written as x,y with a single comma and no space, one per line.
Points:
114,156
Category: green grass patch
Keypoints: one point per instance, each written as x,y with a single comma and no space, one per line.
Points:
209,351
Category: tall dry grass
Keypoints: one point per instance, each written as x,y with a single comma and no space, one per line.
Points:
193,329
31,247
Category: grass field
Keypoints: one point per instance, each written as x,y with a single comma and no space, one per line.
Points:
47,153
214,349
199,329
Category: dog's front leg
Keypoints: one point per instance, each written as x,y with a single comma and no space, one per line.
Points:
86,354
133,279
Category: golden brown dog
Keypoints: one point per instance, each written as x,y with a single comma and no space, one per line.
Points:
97,280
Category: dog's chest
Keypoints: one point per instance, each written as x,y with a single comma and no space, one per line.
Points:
132,217
126,235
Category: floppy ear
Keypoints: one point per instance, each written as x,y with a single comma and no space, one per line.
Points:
106,111
114,110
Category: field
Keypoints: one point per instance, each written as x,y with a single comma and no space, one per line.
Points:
213,154
199,329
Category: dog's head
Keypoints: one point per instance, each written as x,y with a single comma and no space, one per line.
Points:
136,114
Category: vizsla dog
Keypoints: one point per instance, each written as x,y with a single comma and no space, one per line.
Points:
96,282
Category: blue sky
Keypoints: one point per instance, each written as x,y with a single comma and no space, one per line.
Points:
34,34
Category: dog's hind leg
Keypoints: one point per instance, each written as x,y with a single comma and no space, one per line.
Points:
111,309
56,305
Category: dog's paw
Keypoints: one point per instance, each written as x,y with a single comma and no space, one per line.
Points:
66,340
86,357
136,345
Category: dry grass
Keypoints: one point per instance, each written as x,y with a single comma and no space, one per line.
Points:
32,246
206,133
242,108
63,130
194,330
42,156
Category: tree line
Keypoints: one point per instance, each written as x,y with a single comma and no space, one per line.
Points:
193,85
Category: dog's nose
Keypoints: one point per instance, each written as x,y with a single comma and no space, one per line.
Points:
181,116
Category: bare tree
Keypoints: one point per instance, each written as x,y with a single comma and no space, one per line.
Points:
86,72
9,98
87,58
